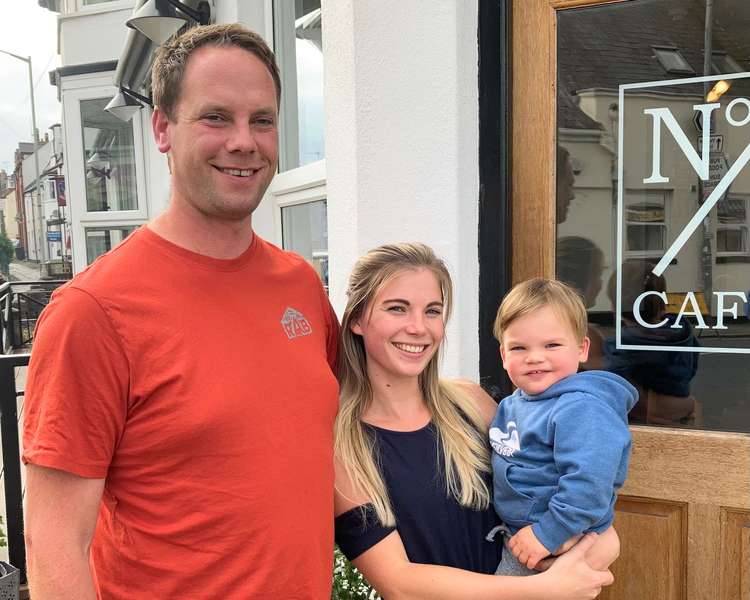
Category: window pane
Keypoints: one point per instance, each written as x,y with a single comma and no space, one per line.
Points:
645,238
109,156
731,210
298,36
102,239
305,231
731,240
663,266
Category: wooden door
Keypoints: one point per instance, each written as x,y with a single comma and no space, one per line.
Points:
684,513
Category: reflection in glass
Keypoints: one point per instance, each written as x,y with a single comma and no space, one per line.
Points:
684,331
109,157
299,44
305,231
102,239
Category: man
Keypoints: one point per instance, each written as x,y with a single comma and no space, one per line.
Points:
180,388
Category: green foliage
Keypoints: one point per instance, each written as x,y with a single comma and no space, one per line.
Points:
6,252
3,540
348,583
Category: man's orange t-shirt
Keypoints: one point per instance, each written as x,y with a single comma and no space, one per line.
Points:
202,391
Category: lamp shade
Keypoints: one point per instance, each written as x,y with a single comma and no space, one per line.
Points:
157,25
123,106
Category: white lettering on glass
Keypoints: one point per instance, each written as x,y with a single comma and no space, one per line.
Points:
720,310
699,163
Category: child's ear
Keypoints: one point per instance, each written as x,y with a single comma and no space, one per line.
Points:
502,355
585,345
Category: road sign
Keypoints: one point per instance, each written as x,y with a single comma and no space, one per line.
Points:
54,236
698,120
715,144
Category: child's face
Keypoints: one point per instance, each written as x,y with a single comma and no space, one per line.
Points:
540,349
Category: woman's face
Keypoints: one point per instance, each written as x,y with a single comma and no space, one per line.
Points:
403,327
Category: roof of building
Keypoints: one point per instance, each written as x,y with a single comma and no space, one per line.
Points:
606,46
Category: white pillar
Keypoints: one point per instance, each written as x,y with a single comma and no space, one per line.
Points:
402,143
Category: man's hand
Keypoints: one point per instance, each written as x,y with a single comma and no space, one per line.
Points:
526,548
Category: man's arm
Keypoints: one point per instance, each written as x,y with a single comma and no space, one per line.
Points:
60,517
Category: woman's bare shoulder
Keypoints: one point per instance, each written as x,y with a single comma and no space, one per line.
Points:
483,401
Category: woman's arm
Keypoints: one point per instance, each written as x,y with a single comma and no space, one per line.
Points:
387,567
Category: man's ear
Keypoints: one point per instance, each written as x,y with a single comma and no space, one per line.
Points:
160,128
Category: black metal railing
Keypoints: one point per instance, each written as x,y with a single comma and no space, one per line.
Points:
21,302
12,458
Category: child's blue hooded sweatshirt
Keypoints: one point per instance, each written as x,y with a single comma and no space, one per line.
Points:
559,457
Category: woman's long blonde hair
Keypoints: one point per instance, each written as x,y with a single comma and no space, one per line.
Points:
459,424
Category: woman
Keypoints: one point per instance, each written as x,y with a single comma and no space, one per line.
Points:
412,472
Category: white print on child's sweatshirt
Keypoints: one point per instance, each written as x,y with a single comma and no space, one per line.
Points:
505,443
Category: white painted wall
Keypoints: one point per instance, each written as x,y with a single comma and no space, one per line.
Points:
402,143
94,36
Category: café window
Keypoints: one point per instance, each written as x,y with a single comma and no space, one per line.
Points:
653,233
298,43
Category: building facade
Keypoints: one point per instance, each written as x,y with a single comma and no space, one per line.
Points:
517,138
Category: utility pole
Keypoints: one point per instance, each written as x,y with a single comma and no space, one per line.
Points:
41,254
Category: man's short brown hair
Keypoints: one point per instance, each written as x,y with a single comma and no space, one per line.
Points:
537,293
172,58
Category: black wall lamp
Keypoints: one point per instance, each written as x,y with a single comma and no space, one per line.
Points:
159,20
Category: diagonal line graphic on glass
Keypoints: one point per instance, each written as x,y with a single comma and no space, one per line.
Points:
713,198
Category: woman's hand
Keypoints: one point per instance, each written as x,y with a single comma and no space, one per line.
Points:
571,578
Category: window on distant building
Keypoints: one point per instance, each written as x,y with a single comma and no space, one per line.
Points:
722,63
732,228
672,61
646,222
298,44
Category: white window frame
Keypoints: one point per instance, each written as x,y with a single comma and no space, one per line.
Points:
92,87
300,186
79,237
745,227
667,196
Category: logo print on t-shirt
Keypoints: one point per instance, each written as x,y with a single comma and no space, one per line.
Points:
505,444
295,324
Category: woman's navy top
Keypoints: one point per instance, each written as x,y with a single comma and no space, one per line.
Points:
433,526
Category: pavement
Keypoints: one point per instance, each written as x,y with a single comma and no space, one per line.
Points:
24,270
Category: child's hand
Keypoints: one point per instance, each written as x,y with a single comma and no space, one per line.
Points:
526,548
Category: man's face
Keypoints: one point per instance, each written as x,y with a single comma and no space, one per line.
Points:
223,135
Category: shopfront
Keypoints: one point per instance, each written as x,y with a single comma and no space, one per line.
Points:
626,139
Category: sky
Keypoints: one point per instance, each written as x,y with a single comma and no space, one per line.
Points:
26,29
